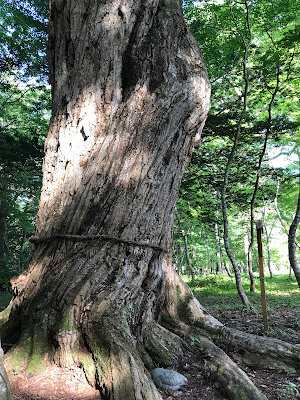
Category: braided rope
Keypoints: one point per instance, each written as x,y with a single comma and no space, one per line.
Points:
36,240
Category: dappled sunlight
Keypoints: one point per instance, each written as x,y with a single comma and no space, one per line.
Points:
117,148
54,383
129,150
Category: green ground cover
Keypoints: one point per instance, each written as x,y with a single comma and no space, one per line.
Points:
214,291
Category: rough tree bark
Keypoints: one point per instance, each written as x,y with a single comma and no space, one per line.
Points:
5,391
130,93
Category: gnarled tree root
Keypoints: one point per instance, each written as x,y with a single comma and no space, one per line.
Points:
256,351
232,380
123,362
118,361
252,350
221,346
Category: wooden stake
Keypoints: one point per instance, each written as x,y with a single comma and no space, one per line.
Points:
259,229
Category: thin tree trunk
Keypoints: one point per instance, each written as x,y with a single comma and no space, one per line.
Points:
230,255
258,172
282,222
219,252
268,235
292,242
226,267
186,248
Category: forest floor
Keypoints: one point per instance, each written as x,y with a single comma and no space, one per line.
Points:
275,384
218,296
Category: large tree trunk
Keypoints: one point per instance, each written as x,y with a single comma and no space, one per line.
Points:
130,92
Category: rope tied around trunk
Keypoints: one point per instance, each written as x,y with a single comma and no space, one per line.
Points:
36,240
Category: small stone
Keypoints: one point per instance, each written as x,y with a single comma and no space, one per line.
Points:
166,379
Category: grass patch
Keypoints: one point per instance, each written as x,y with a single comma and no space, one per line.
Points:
220,291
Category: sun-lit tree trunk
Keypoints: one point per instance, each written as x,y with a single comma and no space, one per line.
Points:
130,93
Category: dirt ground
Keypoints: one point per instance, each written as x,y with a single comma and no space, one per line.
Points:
275,385
57,384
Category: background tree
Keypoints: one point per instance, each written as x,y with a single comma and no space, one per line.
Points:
292,236
273,49
24,117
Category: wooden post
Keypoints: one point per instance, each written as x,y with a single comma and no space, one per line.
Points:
259,229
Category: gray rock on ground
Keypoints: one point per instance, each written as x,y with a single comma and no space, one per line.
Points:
5,393
166,379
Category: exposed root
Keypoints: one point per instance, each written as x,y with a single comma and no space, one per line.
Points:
257,351
163,346
232,380
120,369
252,350
117,357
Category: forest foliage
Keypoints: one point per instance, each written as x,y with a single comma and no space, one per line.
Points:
221,30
